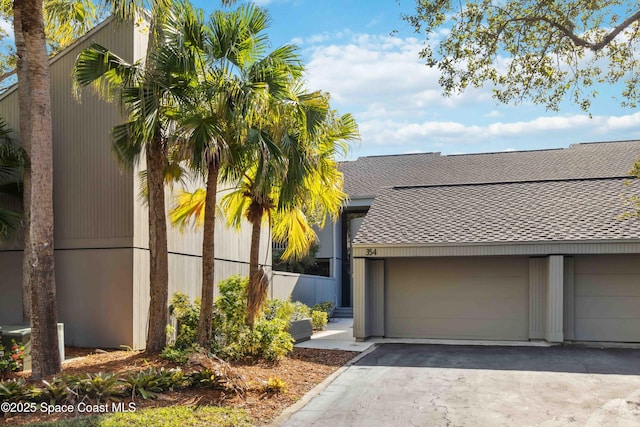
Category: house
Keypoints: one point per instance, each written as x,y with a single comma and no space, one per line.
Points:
520,246
101,222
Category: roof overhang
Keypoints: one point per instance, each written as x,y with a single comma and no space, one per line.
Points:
360,202
498,249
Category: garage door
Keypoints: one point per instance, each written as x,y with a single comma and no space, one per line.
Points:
607,298
459,298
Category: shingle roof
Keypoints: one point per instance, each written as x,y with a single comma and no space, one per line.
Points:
367,175
502,212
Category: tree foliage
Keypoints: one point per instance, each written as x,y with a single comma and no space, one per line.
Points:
537,50
65,21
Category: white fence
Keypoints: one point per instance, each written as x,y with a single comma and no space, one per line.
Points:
302,287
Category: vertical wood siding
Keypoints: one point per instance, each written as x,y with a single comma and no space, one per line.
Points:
375,288
360,326
537,299
92,193
569,299
555,289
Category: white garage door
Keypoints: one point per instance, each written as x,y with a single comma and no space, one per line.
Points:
607,298
460,298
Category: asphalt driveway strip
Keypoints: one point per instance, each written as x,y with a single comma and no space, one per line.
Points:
440,385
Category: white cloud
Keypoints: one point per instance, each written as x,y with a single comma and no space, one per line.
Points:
398,103
493,114
377,73
459,137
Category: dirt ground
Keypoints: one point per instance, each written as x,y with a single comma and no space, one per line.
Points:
301,370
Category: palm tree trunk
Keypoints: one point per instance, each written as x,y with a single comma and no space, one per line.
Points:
254,254
258,281
37,112
203,335
24,94
158,269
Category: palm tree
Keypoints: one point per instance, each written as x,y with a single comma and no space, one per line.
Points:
12,161
36,134
287,174
291,179
151,94
236,80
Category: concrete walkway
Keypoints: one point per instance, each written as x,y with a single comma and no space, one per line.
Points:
338,335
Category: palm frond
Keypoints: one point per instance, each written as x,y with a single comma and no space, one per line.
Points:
9,223
104,69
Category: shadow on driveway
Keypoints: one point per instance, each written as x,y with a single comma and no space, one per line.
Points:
567,358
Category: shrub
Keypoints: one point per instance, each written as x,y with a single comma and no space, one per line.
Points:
326,306
178,355
318,320
187,316
300,311
274,385
268,339
231,337
278,309
11,359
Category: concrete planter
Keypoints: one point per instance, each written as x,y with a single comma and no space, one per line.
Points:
301,330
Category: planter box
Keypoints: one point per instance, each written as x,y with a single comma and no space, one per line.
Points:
301,330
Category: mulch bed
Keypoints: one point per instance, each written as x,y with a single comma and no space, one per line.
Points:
301,370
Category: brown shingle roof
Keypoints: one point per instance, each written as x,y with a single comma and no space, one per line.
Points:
502,212
367,175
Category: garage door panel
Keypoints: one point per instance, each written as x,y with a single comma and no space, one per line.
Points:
465,298
620,330
467,287
425,308
607,298
621,285
607,307
607,264
495,329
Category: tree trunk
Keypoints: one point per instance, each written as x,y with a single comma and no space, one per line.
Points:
203,336
258,281
24,94
159,264
35,69
254,254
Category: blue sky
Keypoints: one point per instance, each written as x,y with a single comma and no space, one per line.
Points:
395,98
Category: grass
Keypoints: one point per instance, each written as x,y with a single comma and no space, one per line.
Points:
186,416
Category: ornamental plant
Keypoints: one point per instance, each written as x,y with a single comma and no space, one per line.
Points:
12,358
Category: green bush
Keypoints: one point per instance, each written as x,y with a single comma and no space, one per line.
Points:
278,309
326,306
177,355
231,337
300,311
187,316
319,320
234,340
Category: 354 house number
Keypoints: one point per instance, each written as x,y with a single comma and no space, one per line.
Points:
370,251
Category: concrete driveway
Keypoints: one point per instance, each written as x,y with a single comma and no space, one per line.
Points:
434,385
